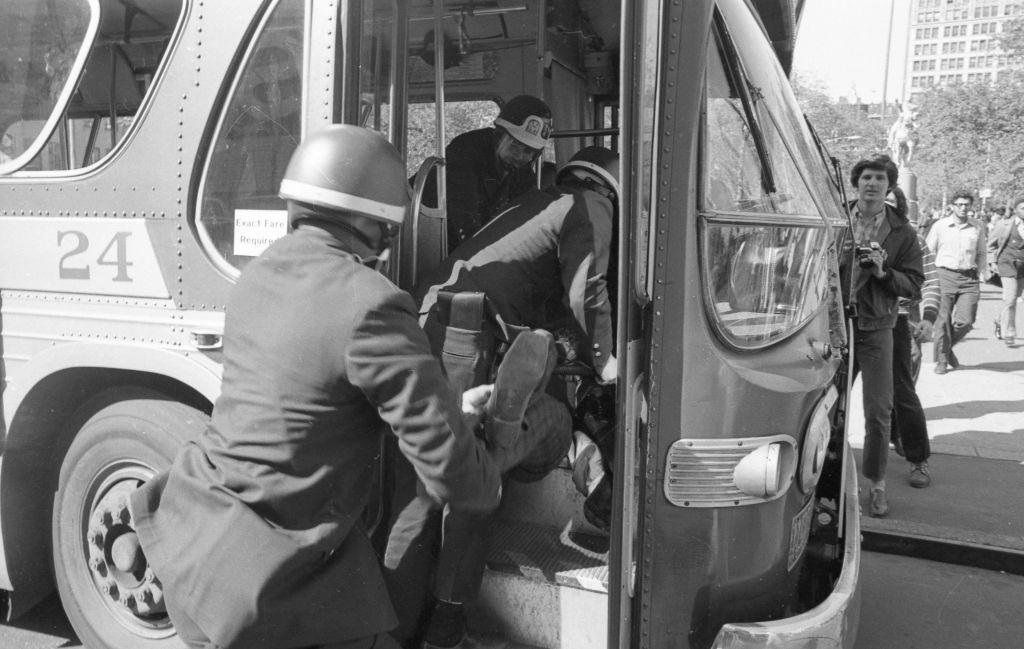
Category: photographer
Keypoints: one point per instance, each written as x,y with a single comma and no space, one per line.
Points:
885,267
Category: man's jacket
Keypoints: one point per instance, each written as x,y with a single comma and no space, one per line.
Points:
255,529
877,298
478,186
541,262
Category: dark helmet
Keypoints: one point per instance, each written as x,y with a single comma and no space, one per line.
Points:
351,169
598,161
526,119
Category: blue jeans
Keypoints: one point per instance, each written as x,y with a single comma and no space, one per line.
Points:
873,359
908,421
958,307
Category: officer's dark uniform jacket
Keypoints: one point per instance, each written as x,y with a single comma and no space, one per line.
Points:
478,187
255,529
877,298
543,260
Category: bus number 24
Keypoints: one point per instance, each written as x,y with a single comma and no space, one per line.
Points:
114,254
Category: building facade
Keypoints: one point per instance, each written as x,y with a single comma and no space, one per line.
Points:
955,41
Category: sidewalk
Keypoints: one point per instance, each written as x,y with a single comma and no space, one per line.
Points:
973,512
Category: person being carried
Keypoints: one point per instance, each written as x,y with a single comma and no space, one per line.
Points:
541,263
487,168
254,531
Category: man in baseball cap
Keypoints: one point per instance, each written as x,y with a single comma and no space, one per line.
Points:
489,167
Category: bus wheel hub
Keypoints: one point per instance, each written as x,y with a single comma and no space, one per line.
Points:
116,560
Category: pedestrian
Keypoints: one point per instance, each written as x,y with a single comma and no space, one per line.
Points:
255,530
914,324
487,168
1006,259
886,267
959,245
540,263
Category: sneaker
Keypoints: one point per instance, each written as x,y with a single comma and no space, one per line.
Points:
941,368
447,628
919,475
879,505
998,332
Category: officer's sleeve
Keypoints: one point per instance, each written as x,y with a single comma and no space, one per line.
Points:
389,360
584,244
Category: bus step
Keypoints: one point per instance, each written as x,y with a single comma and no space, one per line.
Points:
544,587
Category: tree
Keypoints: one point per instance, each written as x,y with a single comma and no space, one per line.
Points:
848,130
972,137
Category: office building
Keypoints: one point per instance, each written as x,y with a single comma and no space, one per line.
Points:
955,41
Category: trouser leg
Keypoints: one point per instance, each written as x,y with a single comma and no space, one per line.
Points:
948,291
908,415
461,560
873,351
965,312
1008,315
410,556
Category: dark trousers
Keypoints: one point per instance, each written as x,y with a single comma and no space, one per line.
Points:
908,421
958,307
872,359
430,545
194,638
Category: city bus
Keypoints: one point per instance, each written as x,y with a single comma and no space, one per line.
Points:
143,143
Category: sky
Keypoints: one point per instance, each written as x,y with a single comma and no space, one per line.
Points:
842,44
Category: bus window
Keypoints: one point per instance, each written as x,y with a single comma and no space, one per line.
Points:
240,212
764,278
41,44
118,72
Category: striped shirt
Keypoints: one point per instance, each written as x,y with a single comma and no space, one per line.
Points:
929,301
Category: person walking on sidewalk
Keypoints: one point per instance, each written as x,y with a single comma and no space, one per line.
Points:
1006,257
887,267
914,323
959,244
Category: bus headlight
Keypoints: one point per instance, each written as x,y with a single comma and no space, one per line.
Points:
766,471
819,430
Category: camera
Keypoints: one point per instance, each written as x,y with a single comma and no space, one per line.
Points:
864,251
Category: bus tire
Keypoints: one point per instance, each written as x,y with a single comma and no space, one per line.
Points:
122,437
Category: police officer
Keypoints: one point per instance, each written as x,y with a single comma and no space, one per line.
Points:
255,529
489,167
541,263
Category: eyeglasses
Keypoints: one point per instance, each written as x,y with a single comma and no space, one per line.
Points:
961,204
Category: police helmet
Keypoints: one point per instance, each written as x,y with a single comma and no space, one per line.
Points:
527,119
598,161
348,168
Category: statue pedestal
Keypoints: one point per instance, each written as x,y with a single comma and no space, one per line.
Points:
908,183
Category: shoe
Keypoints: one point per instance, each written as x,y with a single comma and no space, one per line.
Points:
447,628
919,475
897,445
998,332
526,369
954,362
878,506
941,368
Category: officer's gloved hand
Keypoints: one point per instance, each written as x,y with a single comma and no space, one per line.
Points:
610,371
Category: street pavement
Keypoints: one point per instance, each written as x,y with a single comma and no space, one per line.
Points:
976,428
